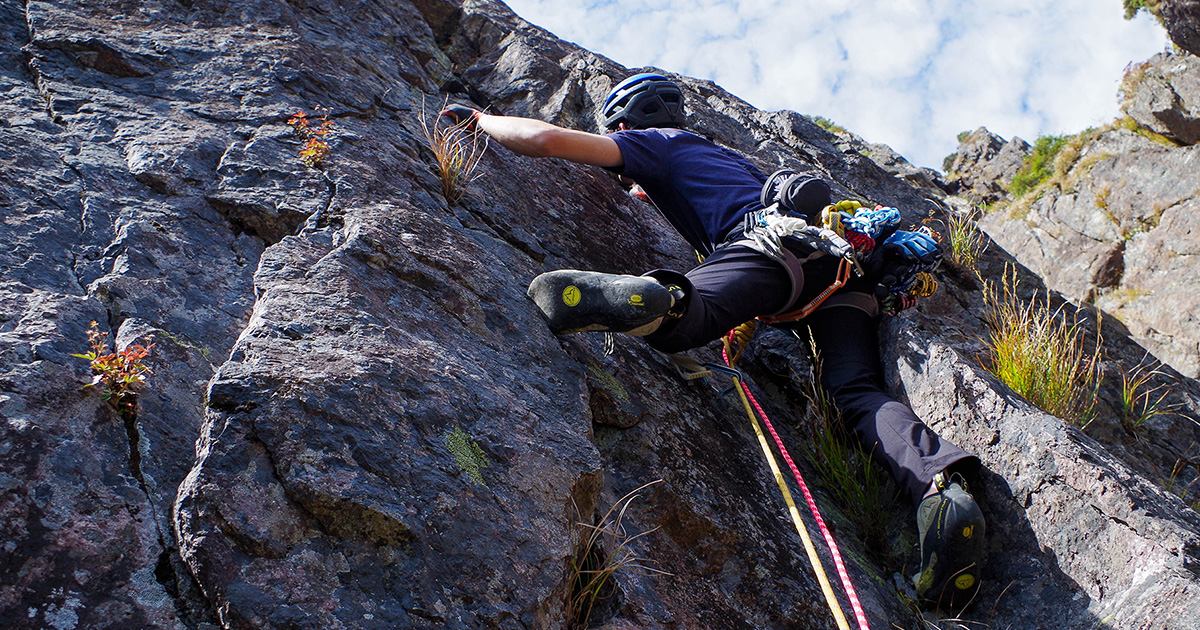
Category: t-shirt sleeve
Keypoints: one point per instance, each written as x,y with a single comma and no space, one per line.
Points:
645,154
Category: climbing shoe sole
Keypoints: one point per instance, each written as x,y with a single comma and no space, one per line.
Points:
580,301
952,532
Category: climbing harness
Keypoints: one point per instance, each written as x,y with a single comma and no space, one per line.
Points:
801,313
734,342
765,231
848,231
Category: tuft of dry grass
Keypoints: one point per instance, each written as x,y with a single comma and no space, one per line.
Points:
457,150
1040,352
602,549
1142,400
967,242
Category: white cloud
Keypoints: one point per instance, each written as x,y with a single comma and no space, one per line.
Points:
907,73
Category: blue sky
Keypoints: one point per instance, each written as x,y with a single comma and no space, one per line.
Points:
911,74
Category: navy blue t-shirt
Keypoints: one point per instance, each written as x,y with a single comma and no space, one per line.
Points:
703,189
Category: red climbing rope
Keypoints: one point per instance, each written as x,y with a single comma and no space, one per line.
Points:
843,575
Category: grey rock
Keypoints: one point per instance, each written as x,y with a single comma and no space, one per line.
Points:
1163,95
1119,236
356,419
984,164
1045,475
1182,19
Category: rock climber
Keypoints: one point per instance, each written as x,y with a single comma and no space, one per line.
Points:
759,261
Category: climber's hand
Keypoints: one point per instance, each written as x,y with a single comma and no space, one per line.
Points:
461,115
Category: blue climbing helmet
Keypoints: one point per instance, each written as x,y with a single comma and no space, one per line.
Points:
643,101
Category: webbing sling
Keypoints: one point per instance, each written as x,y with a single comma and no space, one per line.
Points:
801,313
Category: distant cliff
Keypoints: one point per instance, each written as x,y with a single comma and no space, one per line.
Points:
355,418
1112,220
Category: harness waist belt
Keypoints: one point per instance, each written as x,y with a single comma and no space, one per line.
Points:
776,235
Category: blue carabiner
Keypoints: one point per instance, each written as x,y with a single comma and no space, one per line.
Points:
731,372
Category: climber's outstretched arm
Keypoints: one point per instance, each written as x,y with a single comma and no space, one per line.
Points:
535,138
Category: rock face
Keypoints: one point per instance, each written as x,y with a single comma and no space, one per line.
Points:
984,163
1182,19
1042,467
1113,226
355,418
1163,95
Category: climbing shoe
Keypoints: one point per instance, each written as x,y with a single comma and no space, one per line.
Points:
952,530
581,301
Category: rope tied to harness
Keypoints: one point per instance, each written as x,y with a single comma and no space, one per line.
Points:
735,341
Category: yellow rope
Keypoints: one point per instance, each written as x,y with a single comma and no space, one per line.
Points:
831,215
813,558
742,335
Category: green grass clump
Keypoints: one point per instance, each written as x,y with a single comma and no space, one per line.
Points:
1039,165
1129,124
827,125
1055,165
967,242
1040,353
1142,400
1153,7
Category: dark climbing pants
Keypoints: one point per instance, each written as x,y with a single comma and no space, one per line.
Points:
848,343
736,284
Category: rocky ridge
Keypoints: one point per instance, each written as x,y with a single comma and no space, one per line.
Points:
1182,21
356,419
1112,225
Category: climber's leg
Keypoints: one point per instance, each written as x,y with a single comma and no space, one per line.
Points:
932,470
848,344
732,286
673,311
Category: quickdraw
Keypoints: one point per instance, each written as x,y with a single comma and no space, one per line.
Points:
922,284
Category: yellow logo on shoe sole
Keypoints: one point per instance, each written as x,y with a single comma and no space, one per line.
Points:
968,531
964,581
570,295
635,300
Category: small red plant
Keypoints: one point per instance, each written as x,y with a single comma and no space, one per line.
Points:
117,374
314,133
